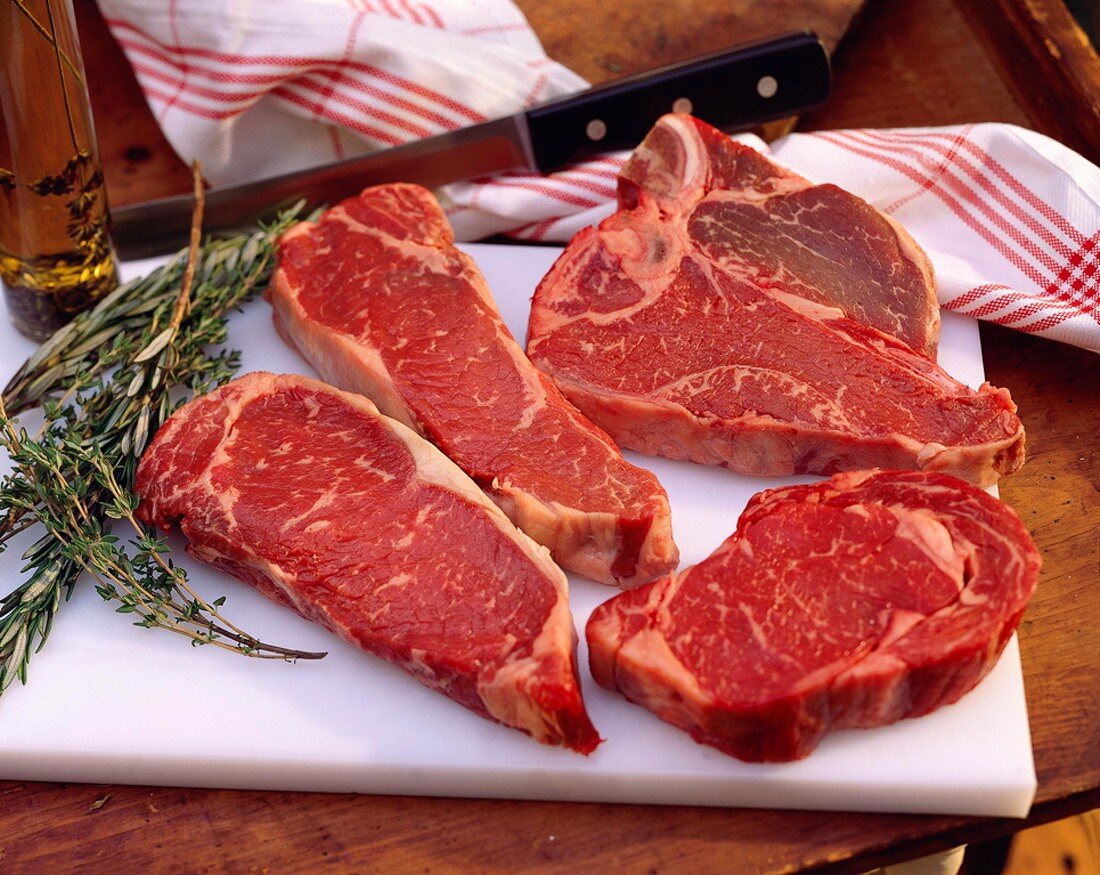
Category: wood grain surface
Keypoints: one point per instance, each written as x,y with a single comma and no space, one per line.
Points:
1048,62
905,62
601,41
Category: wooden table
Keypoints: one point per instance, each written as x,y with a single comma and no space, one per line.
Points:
906,62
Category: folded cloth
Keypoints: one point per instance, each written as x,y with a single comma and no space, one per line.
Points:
1010,218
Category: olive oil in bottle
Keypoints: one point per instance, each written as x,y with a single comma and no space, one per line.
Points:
56,257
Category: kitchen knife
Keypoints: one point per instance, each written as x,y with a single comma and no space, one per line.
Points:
731,89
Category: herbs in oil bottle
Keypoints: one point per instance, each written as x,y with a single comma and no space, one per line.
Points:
56,257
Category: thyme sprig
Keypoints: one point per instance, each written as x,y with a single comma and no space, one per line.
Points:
105,383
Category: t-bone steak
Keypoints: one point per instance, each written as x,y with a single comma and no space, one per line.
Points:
312,496
653,328
377,298
853,602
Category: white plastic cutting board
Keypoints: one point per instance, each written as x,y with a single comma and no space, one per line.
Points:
107,702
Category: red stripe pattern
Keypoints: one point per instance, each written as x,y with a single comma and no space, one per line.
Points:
1010,219
255,90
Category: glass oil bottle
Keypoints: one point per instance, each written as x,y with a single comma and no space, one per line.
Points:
56,257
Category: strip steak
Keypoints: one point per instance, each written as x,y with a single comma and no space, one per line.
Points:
853,602
354,521
377,298
655,333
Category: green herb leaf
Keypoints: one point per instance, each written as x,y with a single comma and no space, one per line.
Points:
105,383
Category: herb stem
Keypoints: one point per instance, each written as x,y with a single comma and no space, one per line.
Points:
183,302
106,383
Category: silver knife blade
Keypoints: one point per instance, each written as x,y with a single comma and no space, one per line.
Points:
158,226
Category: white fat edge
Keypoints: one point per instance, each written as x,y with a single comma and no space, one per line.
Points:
348,363
922,528
693,176
434,259
296,230
563,528
437,469
786,183
669,685
973,462
970,462
804,306
557,635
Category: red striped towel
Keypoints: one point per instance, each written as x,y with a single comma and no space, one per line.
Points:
1010,219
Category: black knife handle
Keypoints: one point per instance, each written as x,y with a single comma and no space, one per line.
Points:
731,89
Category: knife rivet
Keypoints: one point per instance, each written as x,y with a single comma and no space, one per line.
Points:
767,86
683,104
596,129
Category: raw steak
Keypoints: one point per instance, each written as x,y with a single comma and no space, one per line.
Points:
351,519
853,602
377,298
675,348
769,225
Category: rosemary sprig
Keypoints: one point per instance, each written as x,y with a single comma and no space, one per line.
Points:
105,383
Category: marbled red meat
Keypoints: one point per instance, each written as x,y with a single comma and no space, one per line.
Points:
326,506
853,602
377,298
769,225
700,325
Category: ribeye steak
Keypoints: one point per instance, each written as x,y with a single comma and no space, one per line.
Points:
853,602
377,298
312,496
659,334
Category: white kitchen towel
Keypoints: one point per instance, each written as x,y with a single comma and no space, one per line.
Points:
1010,219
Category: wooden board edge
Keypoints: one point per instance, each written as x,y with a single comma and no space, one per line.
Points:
1048,63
